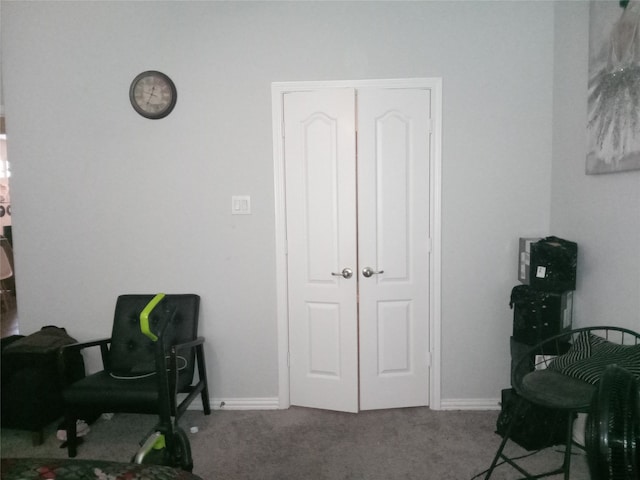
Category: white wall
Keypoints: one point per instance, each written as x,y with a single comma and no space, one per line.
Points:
106,202
600,212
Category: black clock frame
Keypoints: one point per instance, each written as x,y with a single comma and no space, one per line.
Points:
168,109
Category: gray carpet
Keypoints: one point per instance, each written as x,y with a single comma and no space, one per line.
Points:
299,443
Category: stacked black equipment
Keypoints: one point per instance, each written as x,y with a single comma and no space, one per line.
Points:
543,307
543,304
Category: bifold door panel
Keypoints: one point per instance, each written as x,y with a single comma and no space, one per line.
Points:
393,233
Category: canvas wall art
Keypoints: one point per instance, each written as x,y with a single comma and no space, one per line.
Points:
613,130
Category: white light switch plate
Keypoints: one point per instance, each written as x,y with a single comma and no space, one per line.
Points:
241,205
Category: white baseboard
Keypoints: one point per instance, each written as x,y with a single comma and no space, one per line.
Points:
260,403
470,404
264,403
272,403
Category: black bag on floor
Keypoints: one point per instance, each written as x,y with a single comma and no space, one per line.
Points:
536,427
31,388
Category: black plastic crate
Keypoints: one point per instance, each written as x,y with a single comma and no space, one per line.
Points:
538,315
553,264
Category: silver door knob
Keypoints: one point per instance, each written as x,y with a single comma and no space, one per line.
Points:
368,272
346,273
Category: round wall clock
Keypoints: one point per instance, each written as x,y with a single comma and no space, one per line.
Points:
153,94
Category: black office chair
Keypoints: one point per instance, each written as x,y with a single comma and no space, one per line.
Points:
561,373
142,375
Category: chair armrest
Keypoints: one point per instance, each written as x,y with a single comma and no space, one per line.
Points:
103,343
67,350
83,345
178,347
172,369
195,345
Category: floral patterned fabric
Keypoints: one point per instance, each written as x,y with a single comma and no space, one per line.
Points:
69,469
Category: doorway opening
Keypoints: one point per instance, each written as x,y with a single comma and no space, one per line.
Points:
8,304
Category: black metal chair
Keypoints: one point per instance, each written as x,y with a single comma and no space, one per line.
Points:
561,373
141,375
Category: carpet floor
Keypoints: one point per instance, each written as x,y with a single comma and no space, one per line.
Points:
301,443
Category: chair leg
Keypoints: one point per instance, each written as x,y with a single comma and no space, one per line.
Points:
205,400
566,464
72,435
202,373
505,439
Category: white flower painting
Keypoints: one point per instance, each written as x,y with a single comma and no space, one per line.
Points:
613,130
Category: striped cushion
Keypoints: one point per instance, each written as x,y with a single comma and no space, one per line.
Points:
590,355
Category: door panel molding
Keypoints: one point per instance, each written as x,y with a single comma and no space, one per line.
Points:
434,88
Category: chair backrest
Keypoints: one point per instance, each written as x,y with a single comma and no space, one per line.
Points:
582,353
132,354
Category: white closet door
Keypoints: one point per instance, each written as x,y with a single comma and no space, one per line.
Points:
346,355
321,236
393,233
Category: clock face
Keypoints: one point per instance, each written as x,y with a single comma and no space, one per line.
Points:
153,94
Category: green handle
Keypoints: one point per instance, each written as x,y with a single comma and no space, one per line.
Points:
144,316
160,443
